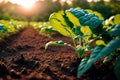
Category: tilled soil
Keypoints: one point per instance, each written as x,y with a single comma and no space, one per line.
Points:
23,57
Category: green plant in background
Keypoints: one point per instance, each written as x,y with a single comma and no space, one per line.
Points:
47,30
43,28
36,25
46,27
8,28
85,27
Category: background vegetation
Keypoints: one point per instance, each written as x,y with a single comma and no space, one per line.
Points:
42,9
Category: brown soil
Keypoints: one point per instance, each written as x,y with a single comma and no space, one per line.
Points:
23,57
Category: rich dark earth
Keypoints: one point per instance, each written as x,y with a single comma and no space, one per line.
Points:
23,57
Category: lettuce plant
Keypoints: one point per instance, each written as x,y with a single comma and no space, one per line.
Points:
85,27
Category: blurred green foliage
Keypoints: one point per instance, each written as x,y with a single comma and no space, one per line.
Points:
42,9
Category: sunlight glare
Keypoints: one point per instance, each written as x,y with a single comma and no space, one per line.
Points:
107,0
1,0
63,0
24,3
97,0
68,1
89,0
93,0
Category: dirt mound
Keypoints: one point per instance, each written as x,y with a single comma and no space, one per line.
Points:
23,57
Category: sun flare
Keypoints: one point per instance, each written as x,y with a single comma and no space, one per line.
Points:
24,3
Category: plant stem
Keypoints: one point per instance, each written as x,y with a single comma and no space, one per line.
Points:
74,43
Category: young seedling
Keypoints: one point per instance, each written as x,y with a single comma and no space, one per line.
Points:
86,27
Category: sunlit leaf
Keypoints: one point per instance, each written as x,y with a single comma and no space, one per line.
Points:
73,19
85,30
117,19
56,43
58,22
96,13
109,21
100,42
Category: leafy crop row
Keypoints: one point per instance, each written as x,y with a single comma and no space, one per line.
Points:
43,28
8,28
86,27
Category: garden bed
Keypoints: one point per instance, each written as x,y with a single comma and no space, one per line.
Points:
23,57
